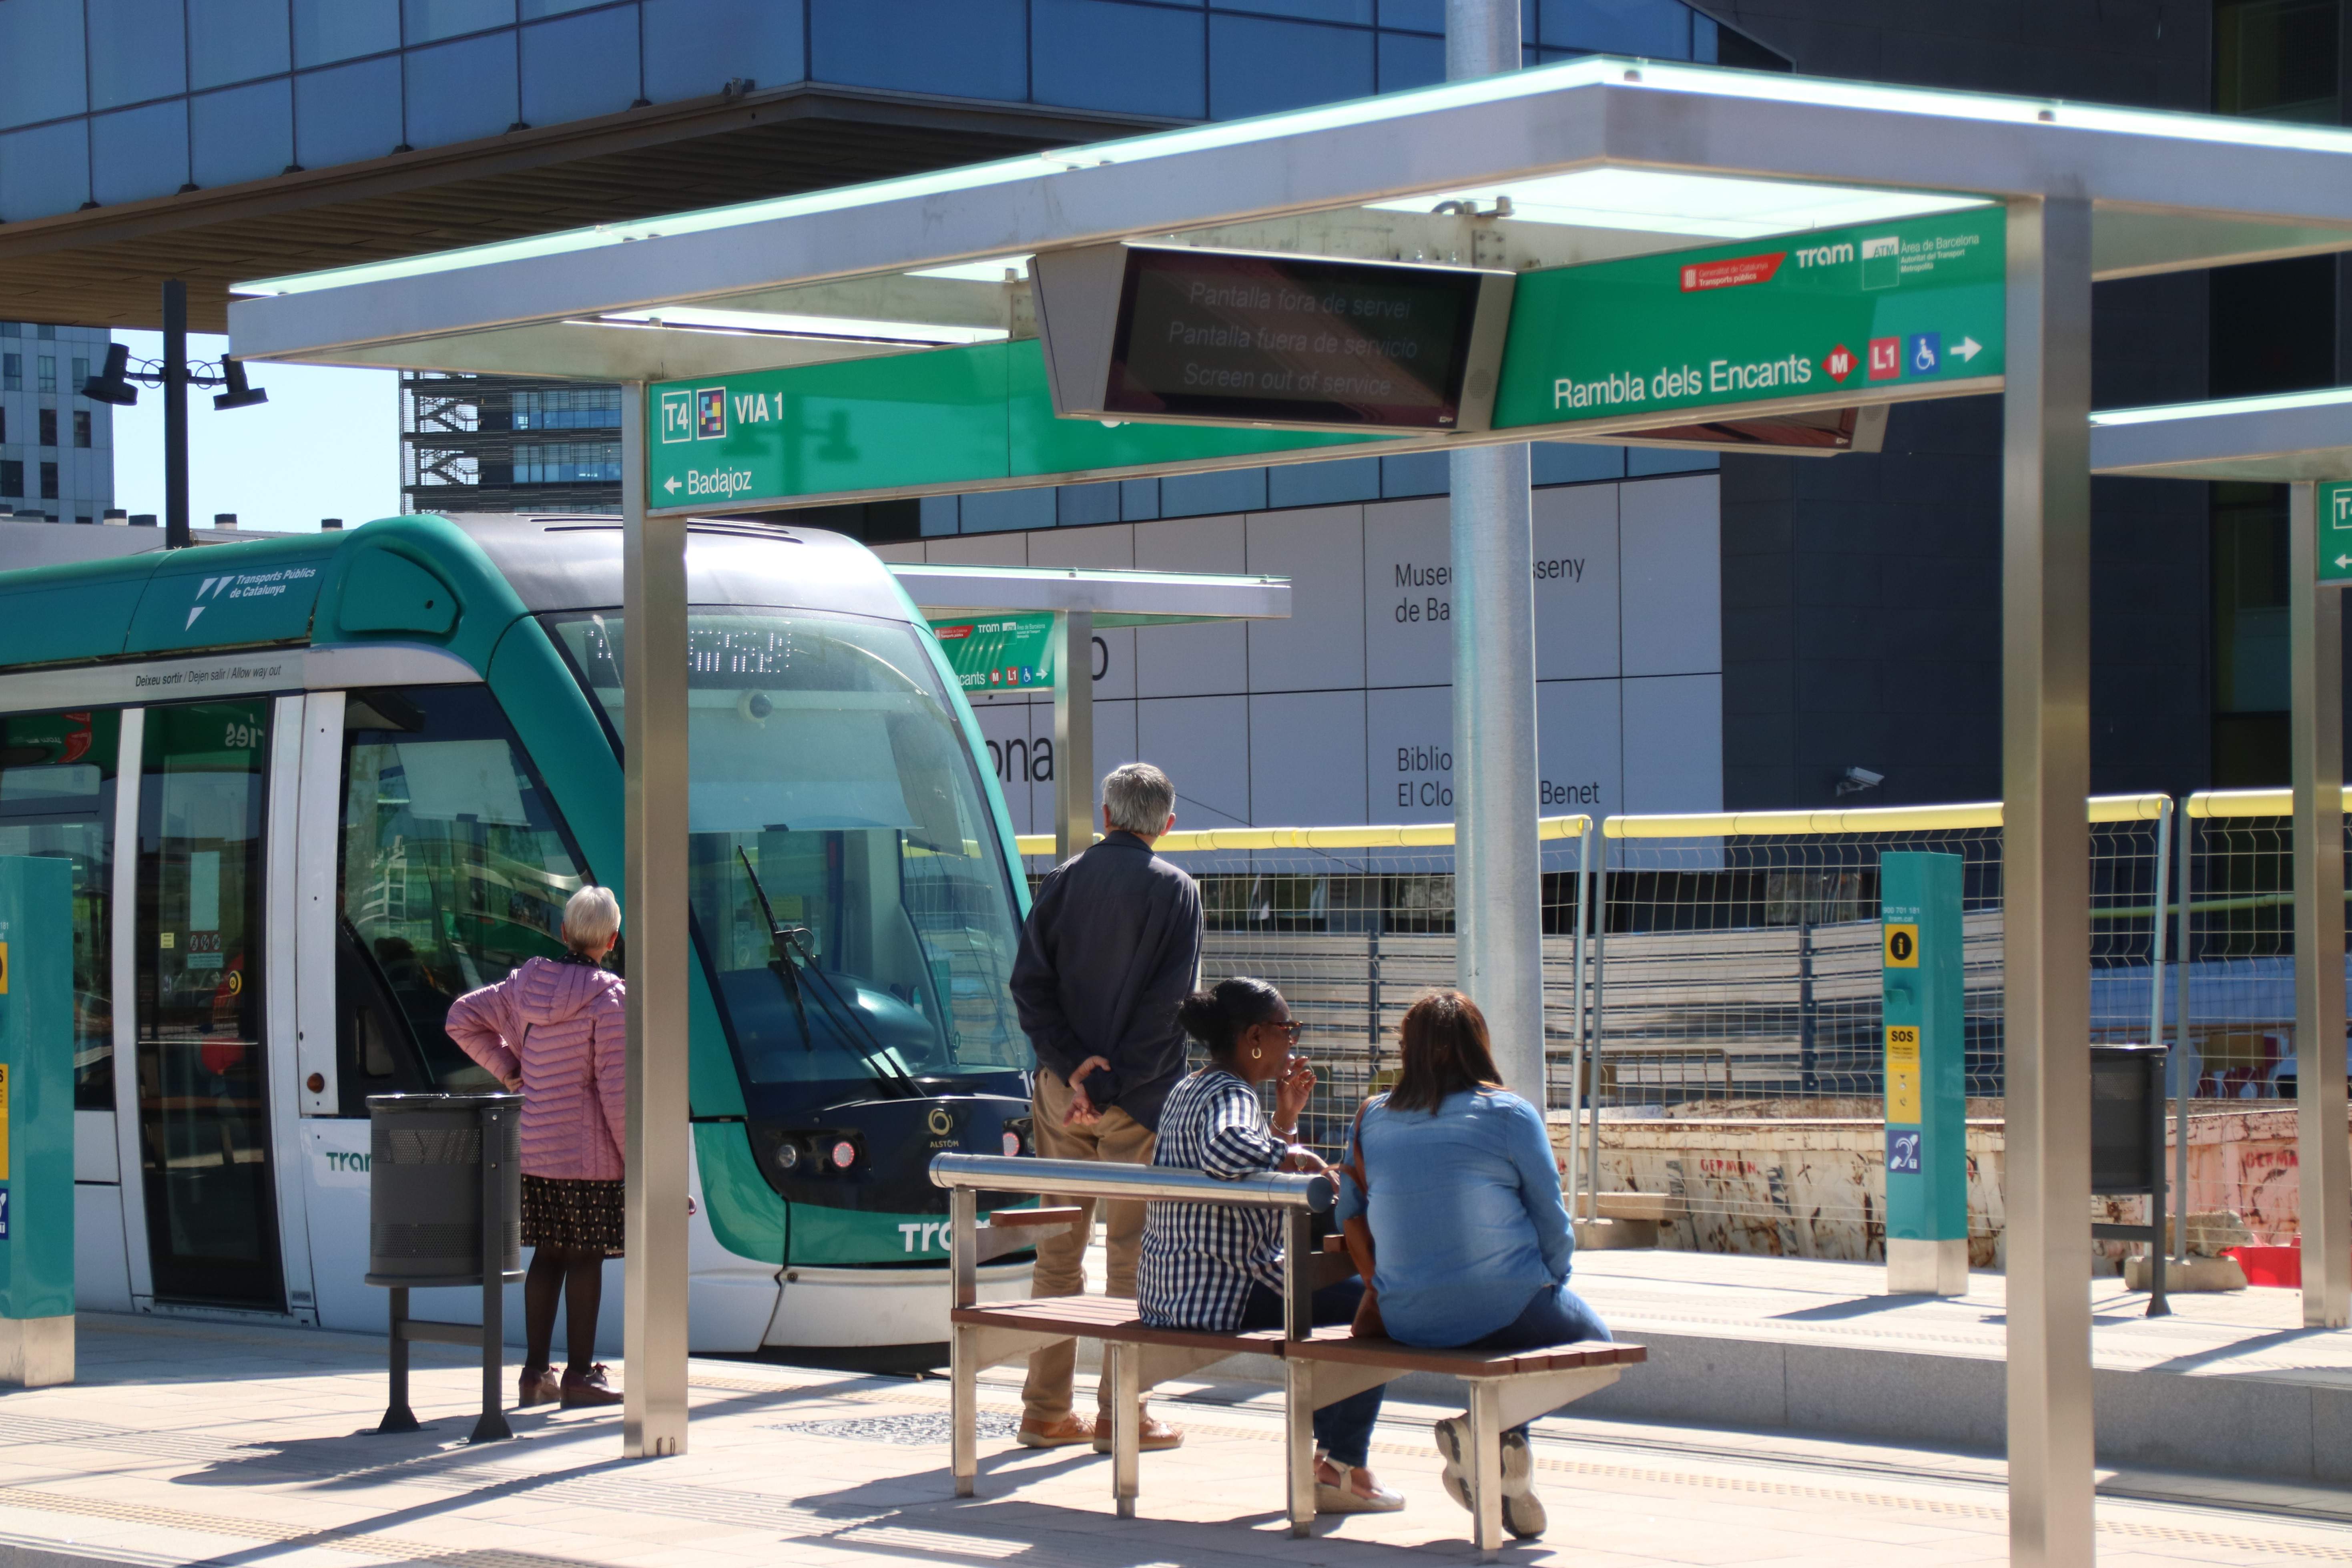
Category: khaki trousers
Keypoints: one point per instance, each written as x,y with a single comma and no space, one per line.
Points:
1061,1268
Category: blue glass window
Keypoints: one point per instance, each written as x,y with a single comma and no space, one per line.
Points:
329,30
45,171
1407,60
135,51
1416,474
12,478
1423,15
567,462
244,133
135,154
994,511
696,46
236,40
1359,11
1643,462
1323,484
1573,463
1704,39
579,66
458,91
1259,66
350,112
429,19
1081,506
568,408
535,9
1199,495
938,513
1136,59
1660,28
970,49
41,71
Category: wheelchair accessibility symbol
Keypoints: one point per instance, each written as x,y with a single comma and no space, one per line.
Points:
1923,353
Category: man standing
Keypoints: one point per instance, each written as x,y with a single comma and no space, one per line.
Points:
1112,945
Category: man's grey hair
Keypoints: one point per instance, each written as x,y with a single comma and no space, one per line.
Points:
1139,798
591,918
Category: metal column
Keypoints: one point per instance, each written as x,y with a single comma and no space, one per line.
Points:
1497,862
1073,731
2045,857
653,679
2316,640
2184,1084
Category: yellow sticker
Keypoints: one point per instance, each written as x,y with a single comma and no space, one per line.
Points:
1903,1073
169,936
4,969
3,1122
1902,947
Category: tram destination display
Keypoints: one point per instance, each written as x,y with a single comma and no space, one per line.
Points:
1181,335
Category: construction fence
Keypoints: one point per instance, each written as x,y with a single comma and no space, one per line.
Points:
1719,972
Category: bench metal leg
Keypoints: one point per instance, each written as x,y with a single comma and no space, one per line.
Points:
963,1408
1486,1467
1126,1423
1298,1416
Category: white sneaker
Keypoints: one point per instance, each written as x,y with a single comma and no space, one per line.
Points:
1523,1511
1344,1497
1453,1438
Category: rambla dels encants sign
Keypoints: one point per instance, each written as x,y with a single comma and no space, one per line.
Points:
1818,319
1833,316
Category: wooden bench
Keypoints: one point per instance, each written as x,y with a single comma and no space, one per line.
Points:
1321,1366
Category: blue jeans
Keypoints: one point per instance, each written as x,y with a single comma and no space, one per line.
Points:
1556,1315
1343,1430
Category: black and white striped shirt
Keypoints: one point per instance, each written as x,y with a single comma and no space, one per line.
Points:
1199,1260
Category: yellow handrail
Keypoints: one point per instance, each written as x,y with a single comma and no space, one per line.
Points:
2250,802
1859,819
1399,836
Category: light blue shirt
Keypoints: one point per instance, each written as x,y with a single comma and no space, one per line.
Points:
1467,1219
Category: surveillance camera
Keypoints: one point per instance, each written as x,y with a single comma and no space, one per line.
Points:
1853,780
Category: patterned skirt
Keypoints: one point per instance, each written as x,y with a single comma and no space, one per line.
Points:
583,1216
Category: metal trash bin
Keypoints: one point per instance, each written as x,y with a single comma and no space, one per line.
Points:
2128,1147
445,1207
424,1186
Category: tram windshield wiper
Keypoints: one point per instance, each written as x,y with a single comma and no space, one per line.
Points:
793,955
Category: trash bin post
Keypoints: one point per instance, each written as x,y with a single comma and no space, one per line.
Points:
397,1415
492,1426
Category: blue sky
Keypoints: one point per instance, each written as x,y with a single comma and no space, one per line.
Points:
327,443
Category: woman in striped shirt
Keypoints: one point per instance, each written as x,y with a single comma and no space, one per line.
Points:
1218,1267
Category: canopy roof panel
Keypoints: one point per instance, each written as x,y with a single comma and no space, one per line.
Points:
2270,441
1598,158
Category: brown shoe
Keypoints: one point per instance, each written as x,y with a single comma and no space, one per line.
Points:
540,1385
1065,1432
1152,1435
587,1388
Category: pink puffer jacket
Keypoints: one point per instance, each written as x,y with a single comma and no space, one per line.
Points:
566,1023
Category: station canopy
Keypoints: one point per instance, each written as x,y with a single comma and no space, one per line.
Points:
1587,161
2275,440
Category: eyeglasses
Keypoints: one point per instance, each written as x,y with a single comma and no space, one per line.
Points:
1292,1029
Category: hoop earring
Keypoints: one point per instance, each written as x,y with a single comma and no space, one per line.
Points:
1256,1052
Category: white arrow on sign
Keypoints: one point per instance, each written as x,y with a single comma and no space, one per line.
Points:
1968,349
2342,561
671,484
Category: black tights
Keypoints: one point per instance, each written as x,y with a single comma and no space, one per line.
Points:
563,1271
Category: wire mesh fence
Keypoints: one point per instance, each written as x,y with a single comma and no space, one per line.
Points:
1717,1036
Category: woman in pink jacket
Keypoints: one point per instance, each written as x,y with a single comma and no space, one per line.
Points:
554,1029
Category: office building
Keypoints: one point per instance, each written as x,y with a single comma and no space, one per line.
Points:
56,447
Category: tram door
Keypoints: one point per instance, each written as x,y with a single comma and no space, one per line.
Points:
204,1111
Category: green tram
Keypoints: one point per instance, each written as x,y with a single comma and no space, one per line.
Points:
314,788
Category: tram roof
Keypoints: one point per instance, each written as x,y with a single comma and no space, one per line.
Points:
1602,157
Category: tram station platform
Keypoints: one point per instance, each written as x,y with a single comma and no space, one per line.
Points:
224,1444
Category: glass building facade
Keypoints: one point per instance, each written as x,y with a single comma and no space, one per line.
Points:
57,448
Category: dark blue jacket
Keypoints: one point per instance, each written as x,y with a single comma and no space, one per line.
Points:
1111,946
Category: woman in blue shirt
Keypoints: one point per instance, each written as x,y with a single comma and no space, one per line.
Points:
1470,1238
1218,1267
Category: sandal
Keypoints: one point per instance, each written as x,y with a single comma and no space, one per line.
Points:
1343,1498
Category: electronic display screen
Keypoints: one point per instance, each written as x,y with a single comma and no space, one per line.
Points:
1284,340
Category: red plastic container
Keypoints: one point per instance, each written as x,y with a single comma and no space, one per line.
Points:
2270,1264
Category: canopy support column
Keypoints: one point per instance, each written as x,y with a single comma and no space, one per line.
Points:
654,861
1073,732
2315,637
2046,862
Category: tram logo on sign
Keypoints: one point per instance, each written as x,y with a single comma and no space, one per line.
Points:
710,413
677,416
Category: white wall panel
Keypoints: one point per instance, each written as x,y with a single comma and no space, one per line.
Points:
1407,596
1321,647
1579,748
1674,743
1576,582
1111,547
981,550
1672,597
1202,745
1007,727
1307,759
1409,753
1183,661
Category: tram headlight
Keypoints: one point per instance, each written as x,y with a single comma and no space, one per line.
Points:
1012,1142
788,1154
845,1154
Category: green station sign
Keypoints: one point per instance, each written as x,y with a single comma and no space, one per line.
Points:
1881,310
1000,653
2335,531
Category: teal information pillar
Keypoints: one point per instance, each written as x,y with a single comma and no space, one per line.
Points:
36,1122
1927,1100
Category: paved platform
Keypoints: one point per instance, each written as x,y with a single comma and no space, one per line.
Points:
192,1442
2231,1381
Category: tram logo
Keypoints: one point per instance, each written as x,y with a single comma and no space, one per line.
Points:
206,591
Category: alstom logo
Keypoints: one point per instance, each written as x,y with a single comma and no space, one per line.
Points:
209,589
1825,255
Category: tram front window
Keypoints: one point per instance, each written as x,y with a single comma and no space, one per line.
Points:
849,887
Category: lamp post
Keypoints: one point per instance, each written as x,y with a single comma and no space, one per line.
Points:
174,375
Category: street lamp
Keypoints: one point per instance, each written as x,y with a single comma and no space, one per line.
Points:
174,375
